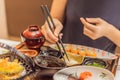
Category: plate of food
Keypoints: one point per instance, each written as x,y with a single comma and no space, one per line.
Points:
14,67
74,59
14,64
87,51
83,73
11,70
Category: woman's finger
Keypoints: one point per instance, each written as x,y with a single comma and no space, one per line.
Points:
87,31
58,28
88,25
94,20
49,36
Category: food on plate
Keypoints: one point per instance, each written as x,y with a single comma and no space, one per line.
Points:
96,62
50,62
29,53
46,50
74,59
103,75
10,70
72,78
85,75
78,50
96,65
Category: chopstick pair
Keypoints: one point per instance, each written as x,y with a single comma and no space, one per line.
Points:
47,15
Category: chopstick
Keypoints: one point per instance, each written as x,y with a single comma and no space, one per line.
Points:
46,17
46,12
54,28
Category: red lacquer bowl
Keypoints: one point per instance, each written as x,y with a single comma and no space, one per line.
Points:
33,37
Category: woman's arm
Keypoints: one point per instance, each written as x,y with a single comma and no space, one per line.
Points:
114,35
57,12
97,27
58,9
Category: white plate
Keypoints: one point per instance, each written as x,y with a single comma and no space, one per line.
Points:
3,51
101,54
97,73
8,42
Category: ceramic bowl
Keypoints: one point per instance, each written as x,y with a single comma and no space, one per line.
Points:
96,62
49,62
33,42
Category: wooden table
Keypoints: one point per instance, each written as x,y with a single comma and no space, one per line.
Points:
14,43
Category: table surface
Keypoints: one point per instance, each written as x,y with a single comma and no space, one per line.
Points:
14,43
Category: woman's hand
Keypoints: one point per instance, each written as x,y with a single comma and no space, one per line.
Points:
49,36
95,27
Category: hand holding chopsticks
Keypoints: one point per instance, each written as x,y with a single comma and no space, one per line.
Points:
52,37
48,18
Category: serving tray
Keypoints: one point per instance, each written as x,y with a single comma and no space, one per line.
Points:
112,62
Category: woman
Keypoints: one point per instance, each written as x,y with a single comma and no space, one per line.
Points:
68,12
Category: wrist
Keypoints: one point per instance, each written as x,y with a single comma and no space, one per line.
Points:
110,30
57,20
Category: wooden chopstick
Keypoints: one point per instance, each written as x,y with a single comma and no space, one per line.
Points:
46,12
43,8
60,41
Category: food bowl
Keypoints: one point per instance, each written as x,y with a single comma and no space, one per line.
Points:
33,37
96,62
49,62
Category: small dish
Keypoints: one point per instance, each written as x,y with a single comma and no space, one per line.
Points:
29,53
96,62
49,62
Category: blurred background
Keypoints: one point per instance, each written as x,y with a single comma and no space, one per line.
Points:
17,15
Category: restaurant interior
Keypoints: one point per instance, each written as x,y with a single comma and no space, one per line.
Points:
17,15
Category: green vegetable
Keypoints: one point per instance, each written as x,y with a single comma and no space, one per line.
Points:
96,64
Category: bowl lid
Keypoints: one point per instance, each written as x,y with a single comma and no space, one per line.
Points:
32,31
